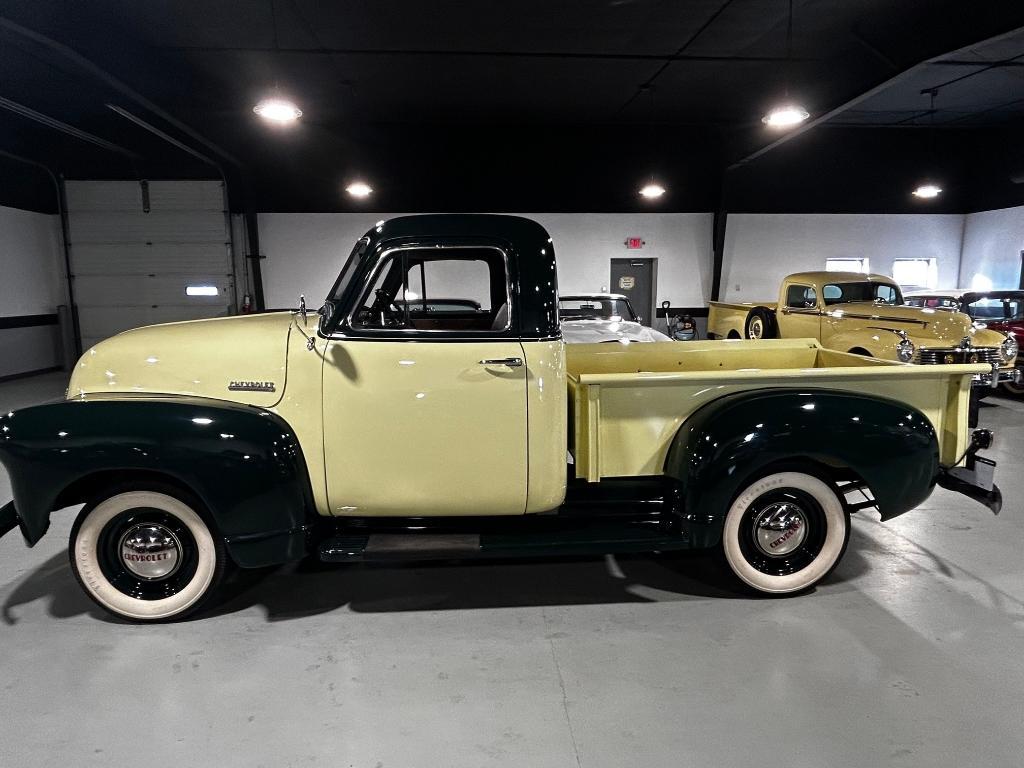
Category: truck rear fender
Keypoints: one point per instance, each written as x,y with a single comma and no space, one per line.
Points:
727,443
243,463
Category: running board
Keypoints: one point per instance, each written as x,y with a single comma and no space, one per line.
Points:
588,540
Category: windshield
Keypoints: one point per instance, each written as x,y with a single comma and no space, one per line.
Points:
996,308
349,270
594,308
841,293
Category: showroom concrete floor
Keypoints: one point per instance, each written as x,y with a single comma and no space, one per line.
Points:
910,654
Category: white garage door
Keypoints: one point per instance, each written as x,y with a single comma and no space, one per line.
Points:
133,268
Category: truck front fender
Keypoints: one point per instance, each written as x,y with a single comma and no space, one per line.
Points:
244,464
730,441
880,342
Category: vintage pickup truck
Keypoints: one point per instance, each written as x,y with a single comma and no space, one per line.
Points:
866,315
377,429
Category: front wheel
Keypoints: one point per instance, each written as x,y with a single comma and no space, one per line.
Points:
145,555
1014,389
785,532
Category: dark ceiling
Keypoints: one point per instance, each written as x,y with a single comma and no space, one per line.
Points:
525,105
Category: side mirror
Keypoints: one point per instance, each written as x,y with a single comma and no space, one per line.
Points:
326,313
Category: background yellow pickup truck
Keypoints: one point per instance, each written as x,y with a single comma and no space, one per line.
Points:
866,315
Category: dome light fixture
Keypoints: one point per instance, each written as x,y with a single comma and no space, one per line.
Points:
785,116
927,191
277,110
359,189
652,191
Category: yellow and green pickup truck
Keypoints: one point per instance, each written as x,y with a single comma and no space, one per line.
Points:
387,426
866,315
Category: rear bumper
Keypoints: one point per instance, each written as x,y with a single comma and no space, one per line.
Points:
8,519
976,478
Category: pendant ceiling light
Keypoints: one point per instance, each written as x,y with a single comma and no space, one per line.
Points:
928,189
278,110
652,190
359,189
789,113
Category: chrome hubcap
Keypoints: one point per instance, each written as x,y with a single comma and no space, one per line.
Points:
755,329
150,551
780,528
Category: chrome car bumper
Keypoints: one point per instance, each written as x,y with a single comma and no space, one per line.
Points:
997,377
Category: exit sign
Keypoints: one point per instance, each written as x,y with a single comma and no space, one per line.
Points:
634,243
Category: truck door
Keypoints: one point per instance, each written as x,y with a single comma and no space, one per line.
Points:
799,316
425,389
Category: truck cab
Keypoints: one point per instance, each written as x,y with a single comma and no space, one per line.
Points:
477,397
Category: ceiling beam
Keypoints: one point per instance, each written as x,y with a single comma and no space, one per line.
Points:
860,98
594,56
57,125
84,64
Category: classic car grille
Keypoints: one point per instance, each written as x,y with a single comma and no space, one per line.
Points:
956,355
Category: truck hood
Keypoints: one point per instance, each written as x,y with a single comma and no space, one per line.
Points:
243,359
930,325
594,331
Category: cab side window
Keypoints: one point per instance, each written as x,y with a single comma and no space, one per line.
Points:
887,294
801,297
437,289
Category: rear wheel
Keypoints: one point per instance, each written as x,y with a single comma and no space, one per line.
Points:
785,532
146,555
760,324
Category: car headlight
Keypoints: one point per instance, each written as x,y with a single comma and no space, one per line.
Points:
905,350
1008,349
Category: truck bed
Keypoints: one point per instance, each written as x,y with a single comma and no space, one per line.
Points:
627,402
725,318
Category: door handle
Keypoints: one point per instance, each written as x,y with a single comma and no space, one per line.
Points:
511,362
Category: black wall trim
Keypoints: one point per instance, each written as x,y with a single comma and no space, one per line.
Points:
27,321
691,311
26,374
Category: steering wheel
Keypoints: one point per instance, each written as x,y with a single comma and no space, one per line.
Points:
385,308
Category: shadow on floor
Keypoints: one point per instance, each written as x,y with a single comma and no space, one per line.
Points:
311,588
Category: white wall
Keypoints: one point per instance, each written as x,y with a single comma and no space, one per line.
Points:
993,241
305,251
32,263
761,249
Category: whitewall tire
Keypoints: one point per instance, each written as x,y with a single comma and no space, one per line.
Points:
145,555
785,532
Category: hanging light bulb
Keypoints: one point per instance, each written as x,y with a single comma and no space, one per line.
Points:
278,110
788,114
359,189
785,116
927,191
652,191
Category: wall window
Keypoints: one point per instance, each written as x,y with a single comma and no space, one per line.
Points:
915,273
847,265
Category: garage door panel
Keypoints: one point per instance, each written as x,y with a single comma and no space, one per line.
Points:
137,290
127,196
155,226
134,259
133,268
